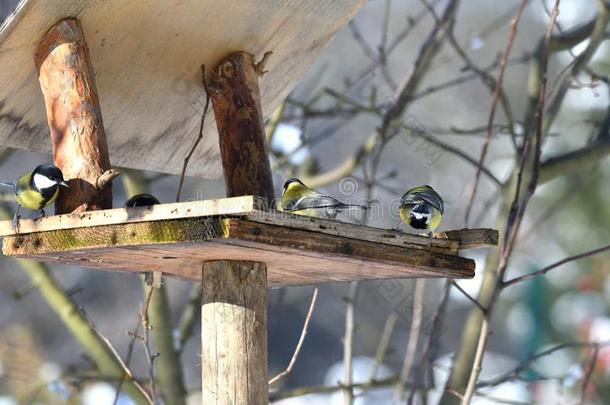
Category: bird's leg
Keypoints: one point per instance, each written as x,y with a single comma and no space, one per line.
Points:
16,217
42,213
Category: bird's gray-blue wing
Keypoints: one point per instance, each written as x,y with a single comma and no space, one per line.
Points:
423,195
432,198
314,201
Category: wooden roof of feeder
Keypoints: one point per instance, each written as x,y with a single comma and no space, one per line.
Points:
147,57
177,238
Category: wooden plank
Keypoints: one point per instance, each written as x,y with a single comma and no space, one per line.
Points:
191,209
147,57
474,238
241,232
355,231
179,246
253,209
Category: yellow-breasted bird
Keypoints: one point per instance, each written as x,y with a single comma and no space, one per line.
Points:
36,190
422,208
299,199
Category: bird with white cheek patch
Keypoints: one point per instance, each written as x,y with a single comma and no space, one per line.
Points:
422,208
36,190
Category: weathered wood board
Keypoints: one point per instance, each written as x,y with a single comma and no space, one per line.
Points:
191,209
147,57
177,238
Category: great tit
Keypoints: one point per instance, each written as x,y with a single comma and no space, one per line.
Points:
141,200
422,208
299,199
36,190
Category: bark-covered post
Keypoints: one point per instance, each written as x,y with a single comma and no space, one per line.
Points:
234,304
74,116
239,118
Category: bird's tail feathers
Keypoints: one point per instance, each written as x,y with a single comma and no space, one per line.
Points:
364,207
7,185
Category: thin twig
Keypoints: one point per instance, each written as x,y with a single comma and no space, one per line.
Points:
524,365
295,355
130,347
469,297
555,265
424,371
576,186
384,342
494,103
589,373
199,135
478,362
414,333
325,389
366,48
348,343
189,315
150,357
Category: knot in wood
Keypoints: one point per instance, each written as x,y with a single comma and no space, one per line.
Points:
227,69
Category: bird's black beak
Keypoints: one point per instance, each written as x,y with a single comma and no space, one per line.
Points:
63,183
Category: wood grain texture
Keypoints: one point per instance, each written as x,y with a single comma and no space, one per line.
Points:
74,117
356,231
192,209
178,247
241,134
147,57
474,238
234,333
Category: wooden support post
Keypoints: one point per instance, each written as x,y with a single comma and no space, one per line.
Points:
74,116
234,333
234,311
237,107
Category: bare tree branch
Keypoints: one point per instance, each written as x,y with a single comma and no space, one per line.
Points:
589,372
199,134
524,365
469,297
297,349
409,359
545,270
572,161
494,102
348,343
384,342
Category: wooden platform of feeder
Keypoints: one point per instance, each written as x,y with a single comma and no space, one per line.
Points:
147,57
177,238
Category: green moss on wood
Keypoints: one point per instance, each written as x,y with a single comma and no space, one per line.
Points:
141,233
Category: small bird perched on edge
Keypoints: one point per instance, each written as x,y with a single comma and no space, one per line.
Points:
422,208
299,199
36,190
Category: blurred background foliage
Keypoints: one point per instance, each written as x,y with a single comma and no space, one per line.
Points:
318,128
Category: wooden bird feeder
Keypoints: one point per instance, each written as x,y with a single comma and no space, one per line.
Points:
146,80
